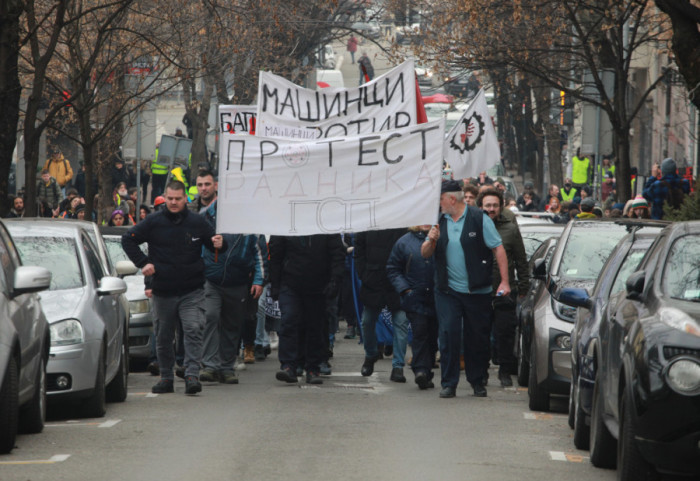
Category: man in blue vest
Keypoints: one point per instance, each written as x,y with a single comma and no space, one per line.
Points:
464,244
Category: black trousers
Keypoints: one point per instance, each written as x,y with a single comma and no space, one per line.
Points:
504,325
301,329
424,345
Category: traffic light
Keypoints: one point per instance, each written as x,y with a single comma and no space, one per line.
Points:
566,109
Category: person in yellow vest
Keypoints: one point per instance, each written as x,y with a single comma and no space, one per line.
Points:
568,192
159,176
580,170
606,166
59,168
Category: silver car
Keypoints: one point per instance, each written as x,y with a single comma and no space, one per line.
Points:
86,309
140,313
24,345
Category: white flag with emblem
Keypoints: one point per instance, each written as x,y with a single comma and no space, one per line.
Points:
471,146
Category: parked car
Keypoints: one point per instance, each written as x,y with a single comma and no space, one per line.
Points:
583,248
623,260
370,29
86,310
525,310
534,234
645,415
140,309
24,345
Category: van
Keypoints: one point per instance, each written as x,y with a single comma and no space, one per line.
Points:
332,78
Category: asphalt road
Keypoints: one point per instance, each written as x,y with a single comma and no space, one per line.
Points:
350,428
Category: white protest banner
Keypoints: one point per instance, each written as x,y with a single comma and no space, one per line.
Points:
472,145
287,110
238,119
295,187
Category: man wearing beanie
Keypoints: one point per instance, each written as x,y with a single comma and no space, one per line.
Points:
587,206
670,188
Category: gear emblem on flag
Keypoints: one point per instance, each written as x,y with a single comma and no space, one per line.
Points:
466,132
295,155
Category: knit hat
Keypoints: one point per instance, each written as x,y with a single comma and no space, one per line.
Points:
668,166
639,201
117,212
450,186
587,204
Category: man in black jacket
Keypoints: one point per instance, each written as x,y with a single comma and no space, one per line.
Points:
304,272
175,238
372,250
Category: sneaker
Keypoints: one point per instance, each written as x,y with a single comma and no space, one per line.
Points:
274,340
397,375
240,366
192,385
325,368
350,333
163,386
249,354
179,371
227,377
313,378
259,352
153,368
208,375
286,374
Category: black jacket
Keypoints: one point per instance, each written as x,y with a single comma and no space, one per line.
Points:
174,247
372,251
412,275
306,263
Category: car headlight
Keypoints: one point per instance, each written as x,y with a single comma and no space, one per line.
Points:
683,376
139,307
64,333
678,319
564,312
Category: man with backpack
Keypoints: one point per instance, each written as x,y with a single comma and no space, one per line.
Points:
669,189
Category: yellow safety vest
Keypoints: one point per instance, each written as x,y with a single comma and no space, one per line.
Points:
579,170
158,169
606,170
570,196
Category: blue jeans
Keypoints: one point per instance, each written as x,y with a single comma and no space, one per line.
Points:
189,309
369,334
261,336
463,320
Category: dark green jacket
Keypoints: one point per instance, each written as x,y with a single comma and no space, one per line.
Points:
507,227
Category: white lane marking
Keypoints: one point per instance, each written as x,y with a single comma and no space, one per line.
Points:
347,374
109,423
557,456
56,458
150,394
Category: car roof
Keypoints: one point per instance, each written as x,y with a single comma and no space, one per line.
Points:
37,227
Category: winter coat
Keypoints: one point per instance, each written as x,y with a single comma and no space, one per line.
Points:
372,250
174,248
412,275
243,263
507,227
306,263
51,192
59,169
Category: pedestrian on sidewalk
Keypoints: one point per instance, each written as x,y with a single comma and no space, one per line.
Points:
465,243
352,47
175,238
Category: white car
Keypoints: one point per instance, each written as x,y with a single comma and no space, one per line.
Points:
86,309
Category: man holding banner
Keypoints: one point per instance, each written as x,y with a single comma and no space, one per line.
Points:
464,244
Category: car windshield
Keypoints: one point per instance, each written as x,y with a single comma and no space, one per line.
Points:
57,254
586,251
532,240
682,272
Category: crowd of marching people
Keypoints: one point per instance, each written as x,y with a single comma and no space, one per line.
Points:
450,289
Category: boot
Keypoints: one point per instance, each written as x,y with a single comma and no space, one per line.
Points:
249,354
259,352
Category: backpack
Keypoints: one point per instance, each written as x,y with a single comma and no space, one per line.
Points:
674,194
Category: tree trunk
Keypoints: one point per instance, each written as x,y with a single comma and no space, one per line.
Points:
622,170
199,115
10,91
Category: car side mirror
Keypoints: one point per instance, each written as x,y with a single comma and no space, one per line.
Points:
635,285
111,285
30,279
575,297
126,268
539,270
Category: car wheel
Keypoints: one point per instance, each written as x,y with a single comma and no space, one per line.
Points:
33,416
539,397
582,432
117,389
9,396
96,405
631,465
602,443
523,363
